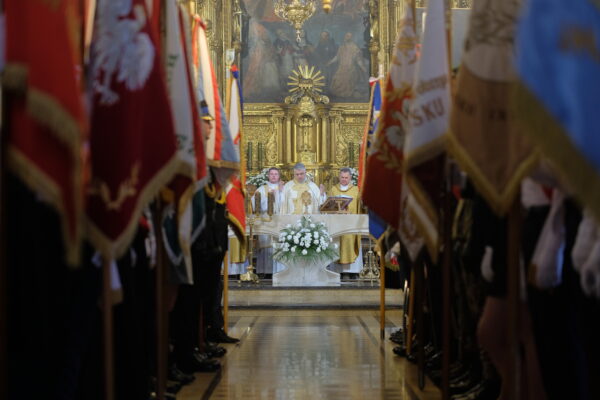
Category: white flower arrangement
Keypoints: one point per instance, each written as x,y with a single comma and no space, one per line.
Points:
307,239
260,179
354,176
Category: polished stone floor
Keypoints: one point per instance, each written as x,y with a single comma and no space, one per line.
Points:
310,354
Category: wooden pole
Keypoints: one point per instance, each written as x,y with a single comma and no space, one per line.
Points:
3,266
419,299
446,282
226,292
513,383
381,293
161,309
107,331
411,312
447,238
160,271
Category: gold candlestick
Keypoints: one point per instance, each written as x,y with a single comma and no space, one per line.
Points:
370,271
250,276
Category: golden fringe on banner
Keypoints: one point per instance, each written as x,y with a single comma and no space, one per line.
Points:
574,170
115,249
38,180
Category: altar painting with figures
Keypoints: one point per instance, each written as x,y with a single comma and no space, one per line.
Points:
335,44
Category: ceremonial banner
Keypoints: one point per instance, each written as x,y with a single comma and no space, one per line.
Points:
368,138
384,166
235,189
429,118
190,146
377,226
220,151
558,61
133,144
485,138
47,119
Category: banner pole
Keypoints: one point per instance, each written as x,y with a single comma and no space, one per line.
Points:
107,330
160,308
381,293
513,299
226,292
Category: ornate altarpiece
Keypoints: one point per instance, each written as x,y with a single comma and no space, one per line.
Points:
324,136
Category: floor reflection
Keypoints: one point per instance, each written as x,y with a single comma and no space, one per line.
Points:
313,355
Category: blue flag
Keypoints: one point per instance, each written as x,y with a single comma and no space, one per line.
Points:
558,61
377,226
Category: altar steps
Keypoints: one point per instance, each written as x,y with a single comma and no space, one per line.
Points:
350,295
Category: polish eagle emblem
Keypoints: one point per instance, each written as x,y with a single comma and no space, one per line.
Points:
122,51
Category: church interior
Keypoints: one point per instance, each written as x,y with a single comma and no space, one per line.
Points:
299,199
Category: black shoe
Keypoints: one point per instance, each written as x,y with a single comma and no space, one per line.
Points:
198,362
173,388
177,375
400,351
213,350
397,337
481,391
219,336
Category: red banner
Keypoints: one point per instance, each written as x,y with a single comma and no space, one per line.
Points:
132,137
47,120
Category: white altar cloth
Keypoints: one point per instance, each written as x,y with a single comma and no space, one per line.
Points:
300,273
337,224
297,273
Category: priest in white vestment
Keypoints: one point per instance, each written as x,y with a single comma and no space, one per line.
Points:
300,196
264,256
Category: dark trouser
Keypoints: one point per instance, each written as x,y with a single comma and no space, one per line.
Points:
52,309
558,323
212,290
134,325
201,298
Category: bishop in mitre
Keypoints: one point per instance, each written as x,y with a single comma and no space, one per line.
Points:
300,196
350,261
274,188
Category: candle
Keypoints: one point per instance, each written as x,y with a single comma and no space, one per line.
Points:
248,204
270,203
260,155
257,203
249,156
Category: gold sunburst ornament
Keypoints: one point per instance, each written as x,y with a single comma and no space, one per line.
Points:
305,78
307,81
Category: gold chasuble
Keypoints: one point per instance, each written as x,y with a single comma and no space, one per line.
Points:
301,198
349,244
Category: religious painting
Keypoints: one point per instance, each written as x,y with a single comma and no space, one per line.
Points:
335,44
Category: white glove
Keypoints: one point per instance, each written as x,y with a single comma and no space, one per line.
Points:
586,237
547,258
590,273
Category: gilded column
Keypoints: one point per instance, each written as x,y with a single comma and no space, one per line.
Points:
289,139
279,129
325,137
335,135
294,141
